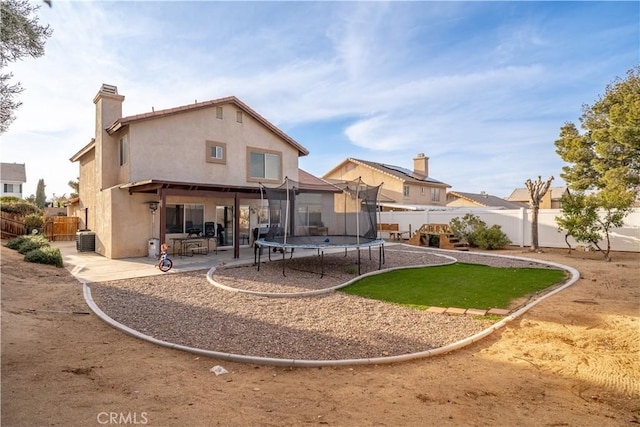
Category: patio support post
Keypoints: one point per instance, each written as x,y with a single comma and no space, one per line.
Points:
163,217
236,223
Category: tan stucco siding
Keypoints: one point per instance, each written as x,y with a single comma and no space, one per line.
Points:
175,148
108,109
460,202
393,187
87,191
130,224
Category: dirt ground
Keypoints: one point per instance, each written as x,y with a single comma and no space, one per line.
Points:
573,360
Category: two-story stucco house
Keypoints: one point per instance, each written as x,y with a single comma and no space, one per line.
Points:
165,173
551,200
12,176
401,187
459,199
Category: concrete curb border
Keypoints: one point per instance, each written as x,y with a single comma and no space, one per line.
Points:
575,275
211,280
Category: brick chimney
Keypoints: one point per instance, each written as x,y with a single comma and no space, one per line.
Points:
421,166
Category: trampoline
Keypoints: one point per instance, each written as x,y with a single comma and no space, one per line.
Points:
339,215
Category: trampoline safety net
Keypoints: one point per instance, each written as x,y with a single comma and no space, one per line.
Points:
308,216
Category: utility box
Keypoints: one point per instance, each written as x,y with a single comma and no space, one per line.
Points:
154,248
86,241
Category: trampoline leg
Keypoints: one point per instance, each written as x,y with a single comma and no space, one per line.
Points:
322,265
259,253
358,261
284,257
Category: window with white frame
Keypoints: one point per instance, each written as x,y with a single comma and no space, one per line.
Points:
435,194
264,165
123,147
216,152
219,113
405,190
239,116
13,188
184,218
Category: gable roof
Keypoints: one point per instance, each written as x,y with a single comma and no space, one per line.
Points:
312,182
84,150
124,121
522,194
14,172
397,172
488,200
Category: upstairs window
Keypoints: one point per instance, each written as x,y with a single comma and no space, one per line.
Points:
405,190
13,188
216,152
123,147
435,194
239,116
265,165
219,113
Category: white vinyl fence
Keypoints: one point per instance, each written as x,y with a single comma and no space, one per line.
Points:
516,224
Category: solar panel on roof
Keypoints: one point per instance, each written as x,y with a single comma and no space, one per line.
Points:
398,169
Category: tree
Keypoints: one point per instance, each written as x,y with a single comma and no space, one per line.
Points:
588,219
604,160
607,155
76,187
41,198
537,190
21,36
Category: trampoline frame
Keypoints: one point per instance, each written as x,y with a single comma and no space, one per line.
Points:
320,247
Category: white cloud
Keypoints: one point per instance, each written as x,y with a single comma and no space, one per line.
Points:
457,81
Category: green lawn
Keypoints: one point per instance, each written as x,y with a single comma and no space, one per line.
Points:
458,285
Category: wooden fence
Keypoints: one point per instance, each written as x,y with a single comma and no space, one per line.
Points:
55,228
61,228
11,225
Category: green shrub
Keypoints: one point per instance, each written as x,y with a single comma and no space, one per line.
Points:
33,242
474,231
33,220
16,242
45,255
466,229
9,199
18,206
492,238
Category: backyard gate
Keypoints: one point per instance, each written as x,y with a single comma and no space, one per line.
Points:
61,228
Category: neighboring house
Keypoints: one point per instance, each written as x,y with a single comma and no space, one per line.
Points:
200,165
12,176
401,187
551,199
460,199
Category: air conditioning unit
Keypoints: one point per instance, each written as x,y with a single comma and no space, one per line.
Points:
86,241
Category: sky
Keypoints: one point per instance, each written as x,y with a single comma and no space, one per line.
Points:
481,88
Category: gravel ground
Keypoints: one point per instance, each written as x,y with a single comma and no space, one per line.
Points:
186,309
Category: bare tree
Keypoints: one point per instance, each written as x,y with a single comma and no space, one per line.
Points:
537,190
